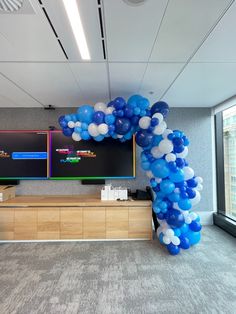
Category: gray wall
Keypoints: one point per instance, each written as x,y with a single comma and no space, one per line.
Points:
195,122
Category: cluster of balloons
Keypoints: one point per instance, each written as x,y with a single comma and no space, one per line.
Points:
175,186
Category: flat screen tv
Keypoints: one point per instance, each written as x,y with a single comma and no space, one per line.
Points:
23,155
108,159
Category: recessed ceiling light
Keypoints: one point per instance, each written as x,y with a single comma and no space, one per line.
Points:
134,2
72,11
10,5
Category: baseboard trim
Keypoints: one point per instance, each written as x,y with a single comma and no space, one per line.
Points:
206,217
72,240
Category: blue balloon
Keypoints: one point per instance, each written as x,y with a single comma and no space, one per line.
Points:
122,126
174,197
137,111
160,107
134,120
156,140
128,135
67,131
128,112
73,117
145,165
99,138
143,103
191,193
85,113
109,119
184,242
62,121
167,186
84,126
173,249
119,103
195,226
98,117
194,237
184,229
184,204
144,138
161,235
160,169
177,176
154,121
133,100
78,129
111,128
177,232
180,162
192,183
175,218
85,135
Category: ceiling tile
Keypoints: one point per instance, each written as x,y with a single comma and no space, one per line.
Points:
50,83
203,85
125,78
12,96
220,45
184,26
157,79
131,30
93,80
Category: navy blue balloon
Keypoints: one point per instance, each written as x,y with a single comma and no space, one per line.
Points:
98,117
62,121
67,131
160,107
122,126
173,249
119,103
144,138
192,183
134,120
195,226
184,242
128,112
175,218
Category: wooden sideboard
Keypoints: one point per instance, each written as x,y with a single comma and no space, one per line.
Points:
74,217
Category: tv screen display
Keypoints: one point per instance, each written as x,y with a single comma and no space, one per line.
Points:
23,155
90,159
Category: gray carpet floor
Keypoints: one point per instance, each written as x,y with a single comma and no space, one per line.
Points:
119,277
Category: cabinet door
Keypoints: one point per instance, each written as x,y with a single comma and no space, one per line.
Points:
117,223
7,224
71,223
94,223
25,227
140,223
48,223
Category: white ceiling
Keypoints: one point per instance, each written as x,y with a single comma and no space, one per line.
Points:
180,51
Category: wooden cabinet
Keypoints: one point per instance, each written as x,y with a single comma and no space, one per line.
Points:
50,218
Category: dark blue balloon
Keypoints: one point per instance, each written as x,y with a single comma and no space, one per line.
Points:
191,193
119,103
175,218
128,112
184,242
67,131
179,149
143,138
62,121
154,121
161,216
173,249
98,117
195,226
177,141
120,113
160,107
134,120
122,126
180,162
192,183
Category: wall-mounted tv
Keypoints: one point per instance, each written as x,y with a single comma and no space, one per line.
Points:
24,155
108,159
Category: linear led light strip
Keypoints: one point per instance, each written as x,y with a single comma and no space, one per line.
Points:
72,11
10,5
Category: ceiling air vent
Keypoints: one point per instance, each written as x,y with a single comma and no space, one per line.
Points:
10,5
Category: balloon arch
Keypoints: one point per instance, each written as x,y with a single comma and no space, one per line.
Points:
175,186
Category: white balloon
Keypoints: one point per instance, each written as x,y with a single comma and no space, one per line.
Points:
188,220
120,136
156,152
93,129
188,173
165,146
158,180
149,174
176,206
159,129
170,233
100,106
177,190
76,136
175,240
199,180
167,132
71,124
193,215
196,199
109,110
184,153
78,123
144,122
159,116
170,157
166,240
199,187
103,128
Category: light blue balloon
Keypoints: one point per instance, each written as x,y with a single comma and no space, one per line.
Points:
177,176
68,117
98,138
167,186
85,135
160,168
78,129
184,204
194,237
177,232
84,126
109,119
174,197
184,229
145,165
85,113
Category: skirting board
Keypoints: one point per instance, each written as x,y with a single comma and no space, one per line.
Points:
71,240
206,218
